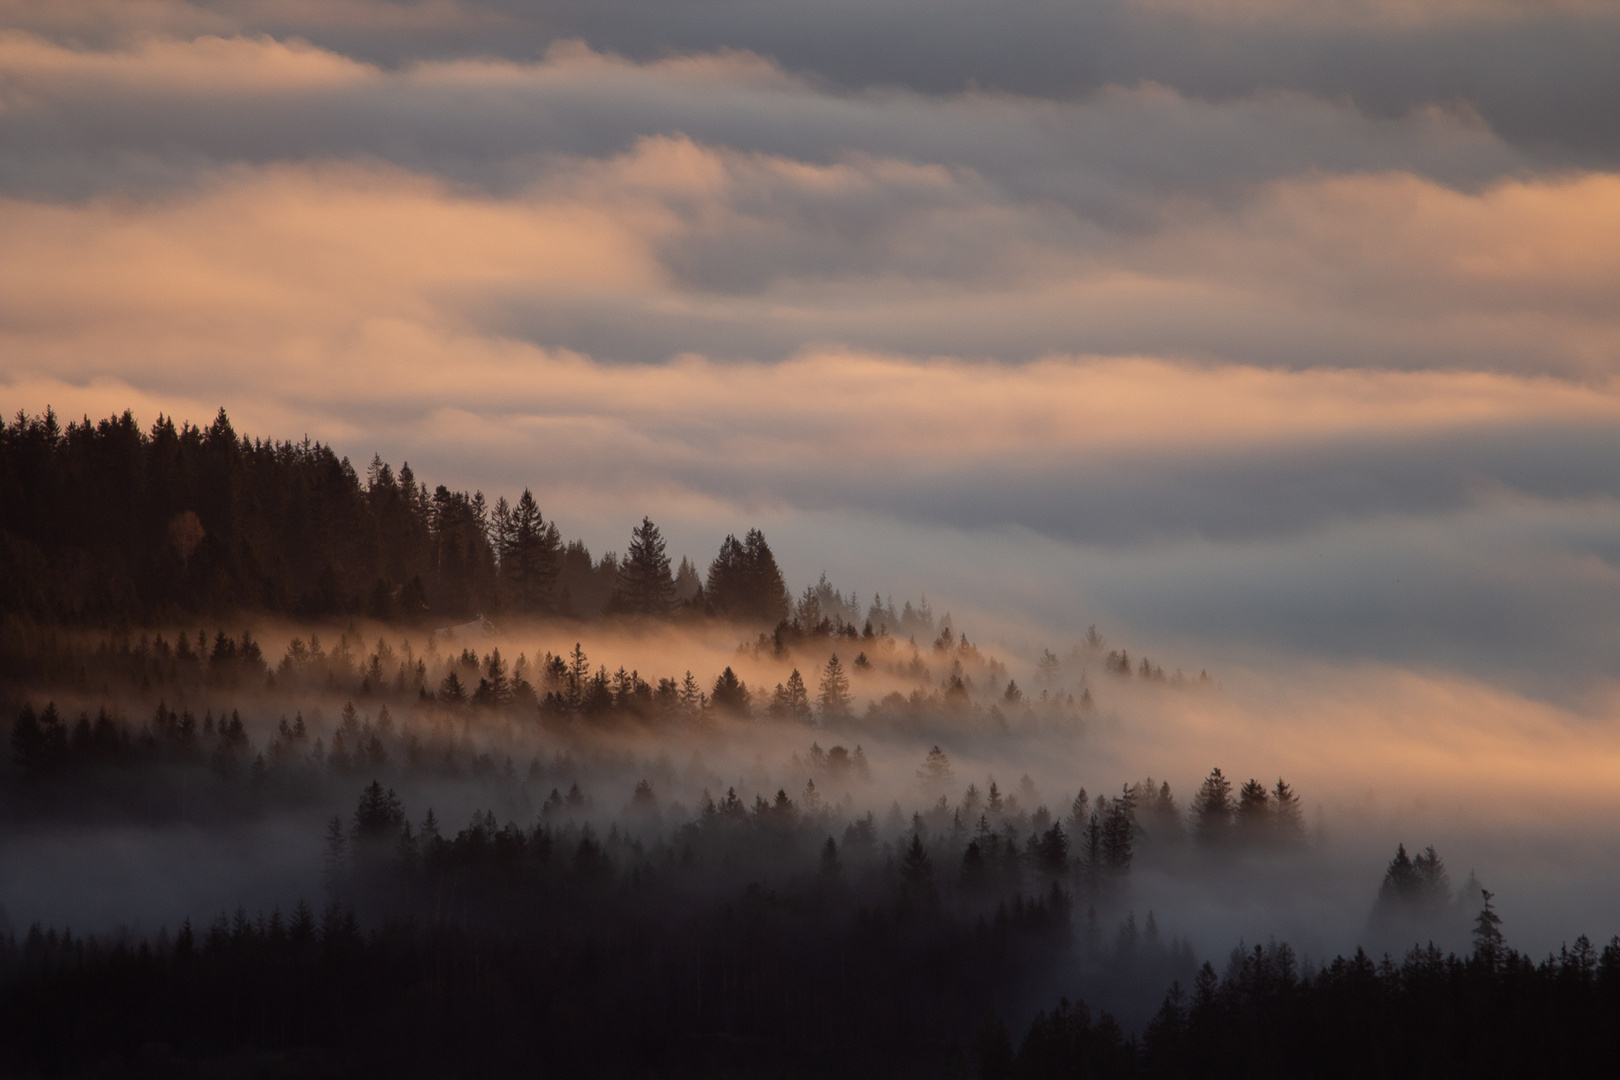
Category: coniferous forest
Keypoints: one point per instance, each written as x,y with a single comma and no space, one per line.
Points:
409,783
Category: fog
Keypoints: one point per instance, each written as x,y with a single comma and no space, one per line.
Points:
1513,791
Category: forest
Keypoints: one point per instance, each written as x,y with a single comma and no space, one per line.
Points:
510,808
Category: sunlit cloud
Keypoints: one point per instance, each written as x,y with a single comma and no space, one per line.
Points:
1179,335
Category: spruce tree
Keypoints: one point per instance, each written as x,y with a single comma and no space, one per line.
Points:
744,581
644,585
834,697
529,559
1488,934
1288,821
27,742
730,694
1254,812
1212,809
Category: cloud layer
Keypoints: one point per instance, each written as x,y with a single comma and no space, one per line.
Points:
1227,322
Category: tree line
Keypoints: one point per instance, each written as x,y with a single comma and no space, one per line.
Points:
497,948
105,522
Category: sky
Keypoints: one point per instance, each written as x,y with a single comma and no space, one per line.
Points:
1266,333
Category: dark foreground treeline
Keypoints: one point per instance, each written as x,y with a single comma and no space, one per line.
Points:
1434,1015
746,942
798,981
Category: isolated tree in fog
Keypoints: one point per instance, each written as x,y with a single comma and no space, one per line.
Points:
644,585
1212,809
834,697
936,769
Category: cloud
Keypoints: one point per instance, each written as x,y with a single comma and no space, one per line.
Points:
1538,72
1165,343
81,121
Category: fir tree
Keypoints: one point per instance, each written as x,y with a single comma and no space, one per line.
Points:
644,585
834,696
1212,809
1488,947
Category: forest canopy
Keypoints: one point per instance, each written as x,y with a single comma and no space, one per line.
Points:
104,522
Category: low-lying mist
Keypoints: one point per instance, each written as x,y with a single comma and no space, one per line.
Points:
159,808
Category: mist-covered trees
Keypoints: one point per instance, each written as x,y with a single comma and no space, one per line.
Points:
730,694
1212,809
834,695
1416,884
1255,818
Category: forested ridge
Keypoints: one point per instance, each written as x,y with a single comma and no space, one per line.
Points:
103,522
758,850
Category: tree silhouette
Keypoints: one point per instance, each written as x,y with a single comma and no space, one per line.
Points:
1488,933
1212,809
730,694
834,696
744,581
1254,813
644,585
529,557
1288,822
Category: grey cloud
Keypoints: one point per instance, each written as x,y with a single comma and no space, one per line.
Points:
1542,76
1111,155
1125,501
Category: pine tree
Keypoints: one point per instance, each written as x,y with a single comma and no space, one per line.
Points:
27,742
1118,826
336,860
691,696
1212,809
916,868
829,859
1052,851
1079,811
450,691
378,813
1488,934
644,585
796,697
579,671
744,581
1288,820
730,694
936,769
834,696
1254,813
529,560
496,686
